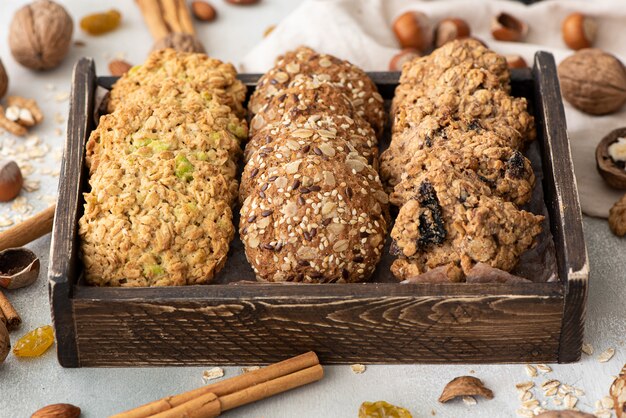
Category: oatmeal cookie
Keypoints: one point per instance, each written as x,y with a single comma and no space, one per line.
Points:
155,221
296,146
211,77
316,221
453,134
495,106
464,54
322,68
328,125
452,220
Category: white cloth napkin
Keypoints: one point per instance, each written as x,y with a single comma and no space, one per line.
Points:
360,31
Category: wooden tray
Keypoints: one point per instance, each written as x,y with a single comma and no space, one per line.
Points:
381,322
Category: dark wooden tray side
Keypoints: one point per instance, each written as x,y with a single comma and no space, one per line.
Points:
343,323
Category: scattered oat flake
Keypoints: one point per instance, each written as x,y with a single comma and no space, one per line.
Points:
526,396
531,371
62,96
59,118
250,369
31,185
557,402
530,404
525,413
58,132
588,349
544,368
549,384
469,400
607,402
570,401
579,392
524,386
358,368
214,373
550,392
606,355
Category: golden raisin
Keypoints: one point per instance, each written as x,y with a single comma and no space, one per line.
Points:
382,409
99,23
35,342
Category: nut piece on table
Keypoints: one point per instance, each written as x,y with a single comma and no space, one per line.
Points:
183,42
617,217
593,81
464,386
4,81
406,55
579,31
413,30
118,68
611,158
506,27
57,410
515,61
203,11
450,29
11,180
40,35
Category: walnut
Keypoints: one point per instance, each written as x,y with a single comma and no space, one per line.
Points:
179,41
40,35
593,81
464,386
4,80
617,217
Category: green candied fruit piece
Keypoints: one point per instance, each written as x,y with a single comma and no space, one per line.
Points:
153,270
206,96
158,146
202,156
238,129
184,168
143,142
191,206
134,69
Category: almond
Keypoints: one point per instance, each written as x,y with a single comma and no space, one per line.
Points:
203,11
118,68
58,410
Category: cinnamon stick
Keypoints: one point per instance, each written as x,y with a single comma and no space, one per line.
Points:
13,319
170,15
225,387
204,406
32,228
153,16
184,17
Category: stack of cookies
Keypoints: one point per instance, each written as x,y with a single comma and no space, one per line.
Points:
313,209
162,169
455,165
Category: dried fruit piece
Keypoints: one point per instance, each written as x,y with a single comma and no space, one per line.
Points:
101,23
57,410
464,386
118,68
618,394
35,342
203,11
382,409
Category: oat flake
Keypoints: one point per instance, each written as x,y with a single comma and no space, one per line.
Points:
358,368
530,370
214,373
606,355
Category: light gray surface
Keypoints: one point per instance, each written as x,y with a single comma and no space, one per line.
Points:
26,385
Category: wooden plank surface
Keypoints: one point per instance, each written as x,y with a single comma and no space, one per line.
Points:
366,330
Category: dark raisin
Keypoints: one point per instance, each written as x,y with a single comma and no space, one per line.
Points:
295,185
431,224
349,192
306,148
345,274
515,165
301,200
315,188
303,263
307,236
327,221
304,190
358,259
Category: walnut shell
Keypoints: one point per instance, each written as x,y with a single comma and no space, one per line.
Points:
617,217
40,35
593,81
4,80
179,41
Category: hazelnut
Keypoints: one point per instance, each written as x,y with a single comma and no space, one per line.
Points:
183,42
593,81
118,68
450,29
4,81
11,180
515,61
40,35
506,27
203,11
413,30
579,31
406,55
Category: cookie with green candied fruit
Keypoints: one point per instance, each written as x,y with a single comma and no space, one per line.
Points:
199,73
160,220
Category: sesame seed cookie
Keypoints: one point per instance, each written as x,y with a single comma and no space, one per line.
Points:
326,125
322,68
317,221
211,77
452,220
152,220
295,146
